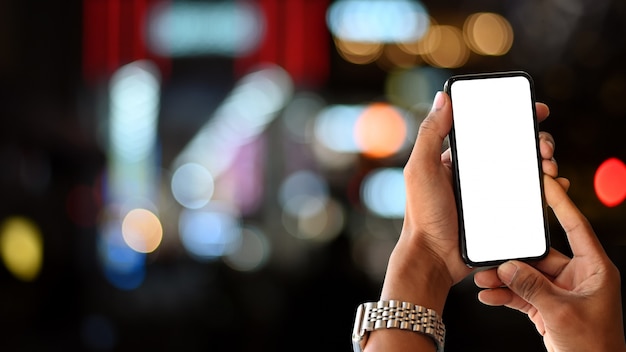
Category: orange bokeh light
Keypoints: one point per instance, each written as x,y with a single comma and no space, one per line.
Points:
142,230
610,182
380,131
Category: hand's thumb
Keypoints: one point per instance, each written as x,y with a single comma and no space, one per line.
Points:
433,130
527,282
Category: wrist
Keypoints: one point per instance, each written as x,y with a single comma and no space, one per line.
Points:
416,274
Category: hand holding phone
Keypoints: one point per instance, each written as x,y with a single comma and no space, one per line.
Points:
497,168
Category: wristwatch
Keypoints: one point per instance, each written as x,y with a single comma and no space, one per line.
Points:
394,314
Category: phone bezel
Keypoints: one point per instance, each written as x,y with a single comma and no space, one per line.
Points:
455,171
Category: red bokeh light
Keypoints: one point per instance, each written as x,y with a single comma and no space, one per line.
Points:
610,182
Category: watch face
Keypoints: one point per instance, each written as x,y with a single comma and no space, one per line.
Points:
359,334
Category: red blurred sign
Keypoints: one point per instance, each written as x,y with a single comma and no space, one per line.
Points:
296,38
113,35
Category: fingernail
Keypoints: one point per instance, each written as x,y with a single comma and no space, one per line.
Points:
506,272
437,102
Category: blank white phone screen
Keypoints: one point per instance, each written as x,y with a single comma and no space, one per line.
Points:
498,168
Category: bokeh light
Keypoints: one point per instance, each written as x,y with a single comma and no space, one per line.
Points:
209,234
319,220
309,212
135,90
380,130
123,267
192,185
21,247
610,182
181,29
424,45
253,102
302,193
142,230
488,33
334,127
242,184
252,253
329,159
245,113
446,47
360,53
378,20
383,192
394,56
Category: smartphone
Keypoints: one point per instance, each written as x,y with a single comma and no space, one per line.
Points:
497,171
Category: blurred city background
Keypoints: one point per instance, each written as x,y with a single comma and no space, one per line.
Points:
227,175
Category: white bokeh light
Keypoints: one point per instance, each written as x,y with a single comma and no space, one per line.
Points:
192,185
383,192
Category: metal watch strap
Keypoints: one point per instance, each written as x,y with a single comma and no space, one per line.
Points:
399,315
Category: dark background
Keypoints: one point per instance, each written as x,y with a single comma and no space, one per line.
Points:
49,144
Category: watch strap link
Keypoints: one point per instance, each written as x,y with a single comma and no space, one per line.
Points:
401,315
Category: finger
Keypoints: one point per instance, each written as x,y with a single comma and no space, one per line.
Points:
580,235
546,145
550,167
529,284
563,182
487,279
499,296
432,131
543,111
553,264
446,157
546,149
505,297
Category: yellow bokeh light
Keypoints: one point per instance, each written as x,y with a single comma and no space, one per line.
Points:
318,221
359,52
142,230
21,247
380,131
488,34
446,47
394,56
426,44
